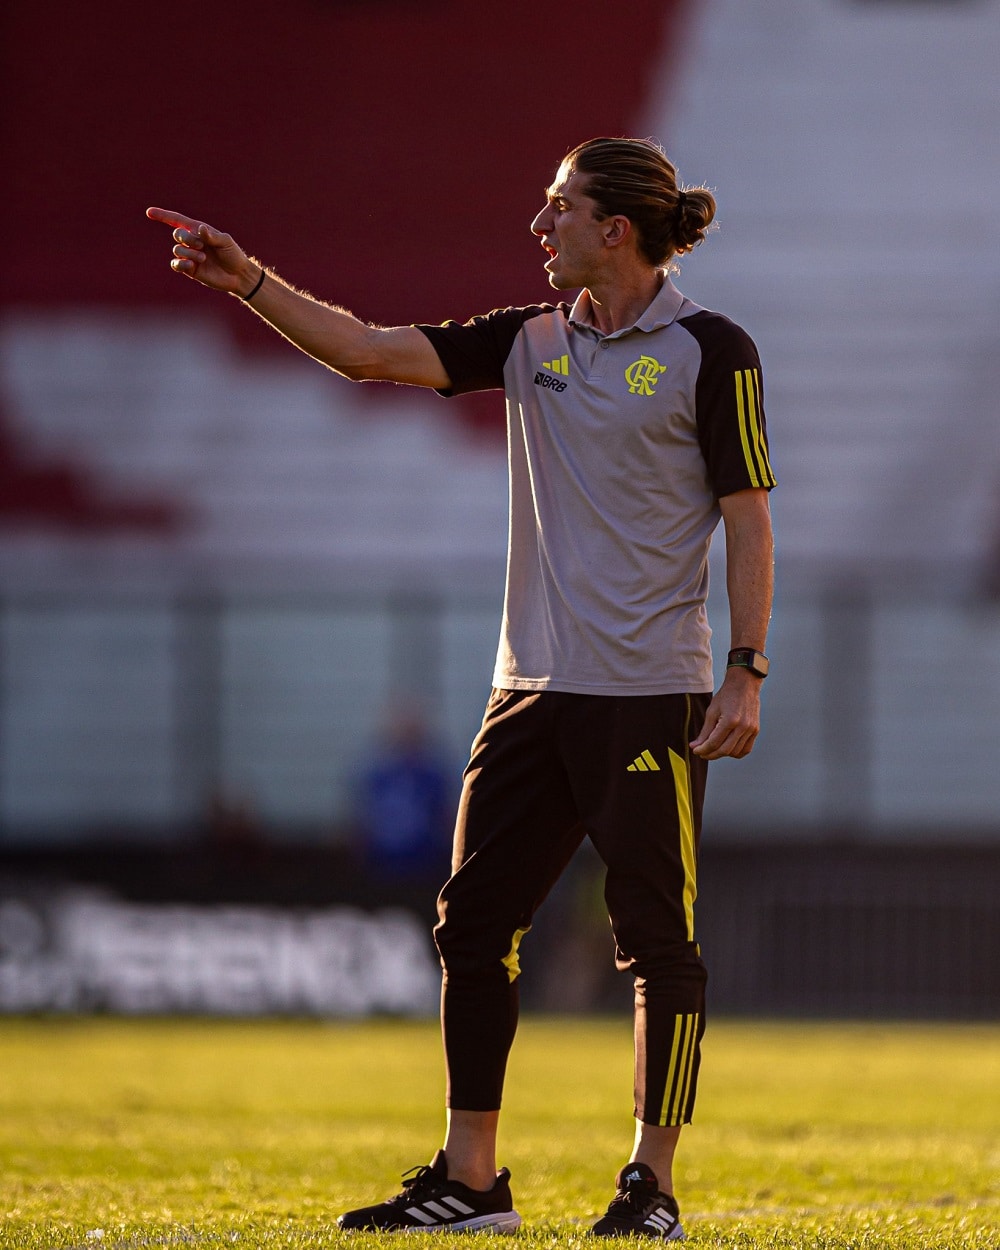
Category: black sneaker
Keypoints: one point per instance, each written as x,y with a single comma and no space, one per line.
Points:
431,1201
638,1209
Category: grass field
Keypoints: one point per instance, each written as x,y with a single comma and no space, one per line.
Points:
140,1133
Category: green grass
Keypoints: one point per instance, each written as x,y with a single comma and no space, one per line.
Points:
118,1134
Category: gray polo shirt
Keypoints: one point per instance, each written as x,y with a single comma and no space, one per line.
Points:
620,447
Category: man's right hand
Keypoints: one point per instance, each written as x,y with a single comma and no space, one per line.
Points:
330,335
206,254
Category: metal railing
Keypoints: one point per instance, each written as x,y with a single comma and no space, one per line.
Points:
135,713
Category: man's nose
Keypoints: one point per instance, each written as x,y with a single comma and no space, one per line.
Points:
542,223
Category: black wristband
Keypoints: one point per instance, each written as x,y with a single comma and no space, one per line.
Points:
259,283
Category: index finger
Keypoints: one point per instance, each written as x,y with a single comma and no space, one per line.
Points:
170,218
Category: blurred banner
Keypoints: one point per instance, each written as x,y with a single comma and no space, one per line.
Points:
835,931
83,952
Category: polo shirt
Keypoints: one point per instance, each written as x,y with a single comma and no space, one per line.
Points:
620,447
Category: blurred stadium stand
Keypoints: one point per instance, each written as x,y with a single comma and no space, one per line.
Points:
218,563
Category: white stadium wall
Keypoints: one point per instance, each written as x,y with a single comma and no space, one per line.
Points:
251,558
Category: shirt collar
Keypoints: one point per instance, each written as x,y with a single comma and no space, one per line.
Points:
661,312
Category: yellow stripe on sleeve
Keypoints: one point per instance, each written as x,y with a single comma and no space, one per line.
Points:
741,412
757,428
752,436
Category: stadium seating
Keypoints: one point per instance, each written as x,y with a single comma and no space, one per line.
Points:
853,149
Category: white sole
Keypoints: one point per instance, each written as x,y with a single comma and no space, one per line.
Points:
498,1222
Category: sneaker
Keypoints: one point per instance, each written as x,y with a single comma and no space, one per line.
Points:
638,1209
430,1201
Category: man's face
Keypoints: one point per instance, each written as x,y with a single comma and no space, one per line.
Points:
570,231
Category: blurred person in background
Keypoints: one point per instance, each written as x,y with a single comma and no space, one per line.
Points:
404,809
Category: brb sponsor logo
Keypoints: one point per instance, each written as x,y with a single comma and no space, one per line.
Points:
549,382
559,365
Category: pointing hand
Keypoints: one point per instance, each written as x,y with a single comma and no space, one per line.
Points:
206,254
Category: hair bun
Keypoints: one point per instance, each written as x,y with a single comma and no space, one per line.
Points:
634,177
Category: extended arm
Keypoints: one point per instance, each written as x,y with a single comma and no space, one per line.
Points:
330,335
732,721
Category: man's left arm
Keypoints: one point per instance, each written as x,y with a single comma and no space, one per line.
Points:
732,721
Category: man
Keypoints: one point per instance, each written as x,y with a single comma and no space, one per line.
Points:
635,422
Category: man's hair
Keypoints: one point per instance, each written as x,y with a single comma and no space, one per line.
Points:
634,178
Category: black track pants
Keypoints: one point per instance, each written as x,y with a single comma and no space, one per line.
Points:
546,771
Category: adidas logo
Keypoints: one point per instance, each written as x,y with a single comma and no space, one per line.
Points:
644,763
447,1209
661,1220
559,365
632,1176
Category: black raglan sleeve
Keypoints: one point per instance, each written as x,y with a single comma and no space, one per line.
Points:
729,405
474,352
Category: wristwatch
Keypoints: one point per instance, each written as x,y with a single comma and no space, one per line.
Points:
746,657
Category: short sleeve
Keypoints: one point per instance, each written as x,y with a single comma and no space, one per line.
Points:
729,405
474,352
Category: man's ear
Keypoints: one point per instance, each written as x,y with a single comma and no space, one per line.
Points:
616,230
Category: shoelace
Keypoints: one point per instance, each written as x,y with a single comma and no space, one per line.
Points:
633,1199
418,1183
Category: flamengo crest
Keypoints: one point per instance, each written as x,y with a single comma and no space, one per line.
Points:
643,374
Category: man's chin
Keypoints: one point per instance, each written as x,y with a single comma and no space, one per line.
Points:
559,283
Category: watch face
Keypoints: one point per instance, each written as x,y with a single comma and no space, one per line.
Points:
755,661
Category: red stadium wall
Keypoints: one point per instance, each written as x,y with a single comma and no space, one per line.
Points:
388,155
